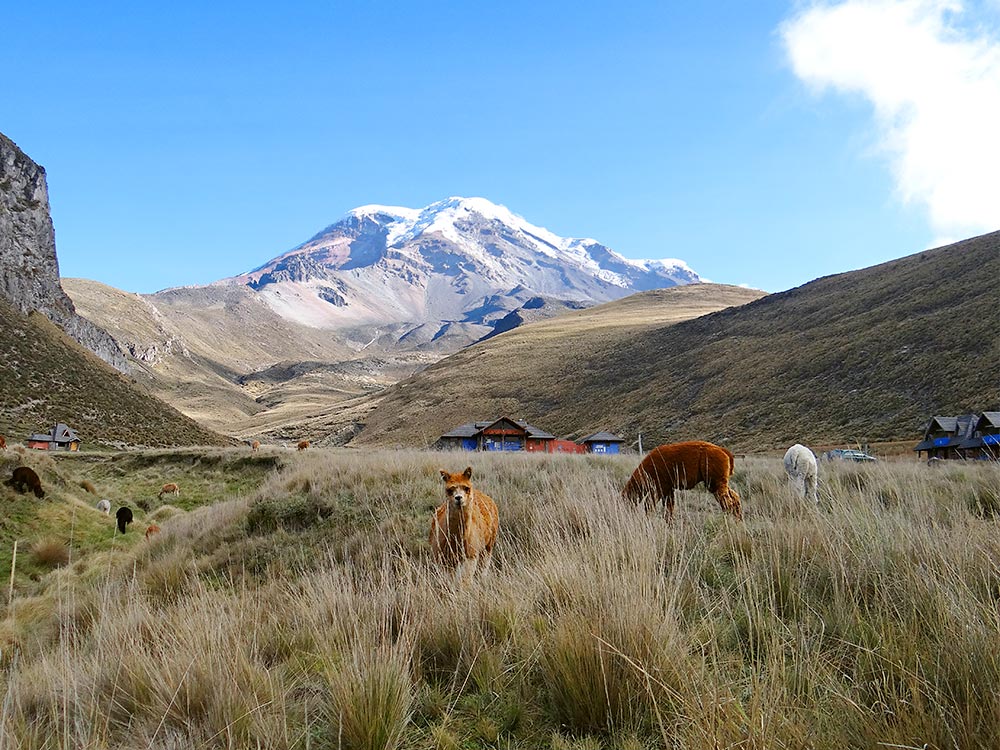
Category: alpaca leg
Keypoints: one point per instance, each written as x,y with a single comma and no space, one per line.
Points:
485,562
466,570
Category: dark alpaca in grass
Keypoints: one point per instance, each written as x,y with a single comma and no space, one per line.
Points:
124,516
24,479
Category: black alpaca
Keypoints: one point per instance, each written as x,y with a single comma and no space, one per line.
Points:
124,516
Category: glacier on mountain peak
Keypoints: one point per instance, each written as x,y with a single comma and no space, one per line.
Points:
440,262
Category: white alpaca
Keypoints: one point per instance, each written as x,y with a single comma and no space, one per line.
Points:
104,506
802,470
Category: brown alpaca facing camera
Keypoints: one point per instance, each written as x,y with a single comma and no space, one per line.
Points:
681,466
465,526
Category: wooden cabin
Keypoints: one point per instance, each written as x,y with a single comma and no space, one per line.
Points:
968,436
984,444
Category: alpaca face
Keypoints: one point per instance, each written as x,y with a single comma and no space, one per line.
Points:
458,488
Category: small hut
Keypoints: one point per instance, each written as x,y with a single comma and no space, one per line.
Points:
59,438
602,442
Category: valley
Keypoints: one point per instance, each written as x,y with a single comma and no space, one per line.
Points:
367,302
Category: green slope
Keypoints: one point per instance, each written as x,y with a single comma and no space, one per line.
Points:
46,377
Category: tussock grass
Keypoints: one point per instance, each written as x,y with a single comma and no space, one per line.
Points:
306,613
50,553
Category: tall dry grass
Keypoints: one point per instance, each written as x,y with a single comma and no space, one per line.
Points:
309,615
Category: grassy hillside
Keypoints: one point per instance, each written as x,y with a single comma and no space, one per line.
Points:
861,356
522,373
67,519
46,377
305,613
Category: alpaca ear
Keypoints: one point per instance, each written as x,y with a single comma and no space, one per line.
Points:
444,475
467,473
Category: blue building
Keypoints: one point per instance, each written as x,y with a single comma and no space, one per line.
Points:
969,436
602,442
503,434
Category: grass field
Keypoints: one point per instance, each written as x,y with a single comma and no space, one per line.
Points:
290,603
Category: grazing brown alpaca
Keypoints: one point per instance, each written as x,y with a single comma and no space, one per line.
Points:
303,444
151,530
681,466
255,446
88,486
24,479
465,526
3,443
170,489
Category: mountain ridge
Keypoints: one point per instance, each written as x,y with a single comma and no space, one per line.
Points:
440,262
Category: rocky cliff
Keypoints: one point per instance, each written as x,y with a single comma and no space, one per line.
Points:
29,269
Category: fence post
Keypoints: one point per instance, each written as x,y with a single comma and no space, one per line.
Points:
13,567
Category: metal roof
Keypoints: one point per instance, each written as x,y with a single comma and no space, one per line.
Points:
947,424
61,433
533,432
601,437
961,426
967,425
471,429
993,417
64,433
466,430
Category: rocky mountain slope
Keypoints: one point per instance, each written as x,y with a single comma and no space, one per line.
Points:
865,355
29,268
56,366
368,301
459,260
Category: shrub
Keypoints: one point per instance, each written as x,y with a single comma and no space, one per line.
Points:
372,697
49,553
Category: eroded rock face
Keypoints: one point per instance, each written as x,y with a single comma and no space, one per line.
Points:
29,269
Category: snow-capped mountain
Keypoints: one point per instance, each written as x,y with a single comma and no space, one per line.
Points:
462,260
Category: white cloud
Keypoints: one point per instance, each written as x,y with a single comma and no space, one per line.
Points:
933,76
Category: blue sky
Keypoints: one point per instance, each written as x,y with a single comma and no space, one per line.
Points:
756,141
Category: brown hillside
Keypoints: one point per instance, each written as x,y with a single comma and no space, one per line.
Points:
865,355
46,377
538,358
221,356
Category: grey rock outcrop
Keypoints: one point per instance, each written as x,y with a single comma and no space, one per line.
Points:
29,268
